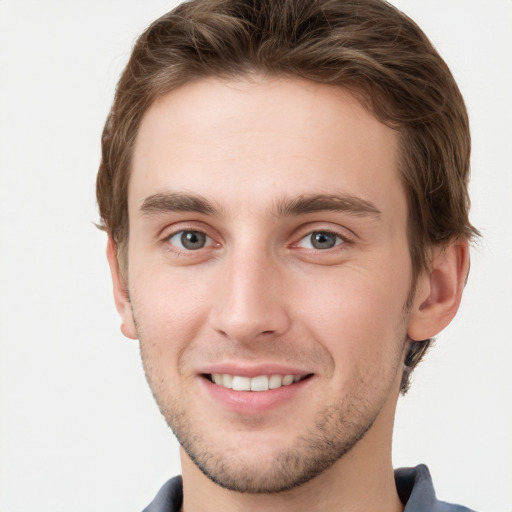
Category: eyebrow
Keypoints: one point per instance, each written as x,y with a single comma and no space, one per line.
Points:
177,202
346,203
165,202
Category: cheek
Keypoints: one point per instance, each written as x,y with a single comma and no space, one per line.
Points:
169,307
356,315
169,317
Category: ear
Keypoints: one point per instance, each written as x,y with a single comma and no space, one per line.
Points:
439,290
121,296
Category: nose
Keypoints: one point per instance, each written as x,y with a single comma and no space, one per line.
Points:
251,299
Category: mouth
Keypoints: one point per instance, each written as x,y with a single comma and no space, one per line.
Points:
258,383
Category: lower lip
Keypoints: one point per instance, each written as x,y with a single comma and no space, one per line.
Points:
254,402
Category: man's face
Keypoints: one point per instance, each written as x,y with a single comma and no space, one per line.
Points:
268,244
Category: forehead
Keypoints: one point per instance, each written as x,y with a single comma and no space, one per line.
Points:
248,142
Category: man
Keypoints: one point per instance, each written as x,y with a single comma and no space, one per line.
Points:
284,186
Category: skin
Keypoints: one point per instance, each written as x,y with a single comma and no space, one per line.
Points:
229,160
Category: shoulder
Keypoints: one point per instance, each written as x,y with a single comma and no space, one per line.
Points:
414,486
416,490
169,497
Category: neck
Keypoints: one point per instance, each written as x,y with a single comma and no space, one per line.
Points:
361,480
361,489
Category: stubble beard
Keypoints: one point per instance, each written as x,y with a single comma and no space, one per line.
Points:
309,456
337,430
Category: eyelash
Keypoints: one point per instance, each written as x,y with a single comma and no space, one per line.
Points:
340,240
209,242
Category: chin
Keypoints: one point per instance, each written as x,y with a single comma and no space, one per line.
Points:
290,464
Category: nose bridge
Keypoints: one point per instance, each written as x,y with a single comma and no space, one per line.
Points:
250,300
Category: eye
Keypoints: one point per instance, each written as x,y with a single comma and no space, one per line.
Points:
321,240
189,240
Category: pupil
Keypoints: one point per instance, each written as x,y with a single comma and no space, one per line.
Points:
323,240
193,239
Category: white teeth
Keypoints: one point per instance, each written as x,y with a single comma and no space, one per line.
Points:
259,383
287,380
241,383
227,381
275,381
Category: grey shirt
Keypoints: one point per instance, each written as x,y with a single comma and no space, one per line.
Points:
414,486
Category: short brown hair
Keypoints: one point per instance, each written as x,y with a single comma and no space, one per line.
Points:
366,46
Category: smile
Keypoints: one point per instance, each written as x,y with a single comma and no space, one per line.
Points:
259,383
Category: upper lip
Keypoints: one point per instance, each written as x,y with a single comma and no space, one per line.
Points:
252,370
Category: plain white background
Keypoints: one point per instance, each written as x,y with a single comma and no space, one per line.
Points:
79,430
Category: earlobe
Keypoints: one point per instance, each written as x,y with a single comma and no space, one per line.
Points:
121,296
439,290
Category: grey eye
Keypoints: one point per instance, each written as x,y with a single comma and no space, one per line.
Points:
189,240
321,240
